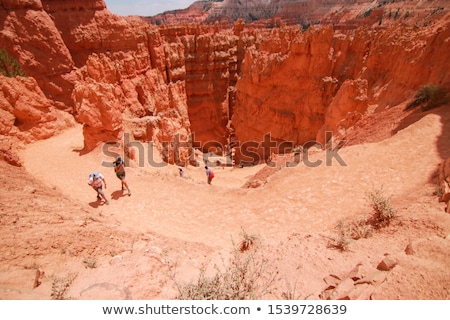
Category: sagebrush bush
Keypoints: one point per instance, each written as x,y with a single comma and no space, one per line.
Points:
61,286
245,278
342,242
383,212
429,97
360,229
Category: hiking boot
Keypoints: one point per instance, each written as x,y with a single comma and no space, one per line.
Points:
107,202
129,192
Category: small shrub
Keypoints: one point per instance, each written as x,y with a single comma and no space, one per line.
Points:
90,263
290,293
203,288
247,242
360,229
9,66
383,212
61,286
429,97
342,242
245,278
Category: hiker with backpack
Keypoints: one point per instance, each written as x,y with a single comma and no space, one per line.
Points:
119,169
209,174
181,172
96,181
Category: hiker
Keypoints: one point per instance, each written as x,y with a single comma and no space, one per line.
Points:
96,181
209,174
181,171
119,169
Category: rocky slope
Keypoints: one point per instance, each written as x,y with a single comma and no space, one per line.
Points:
57,241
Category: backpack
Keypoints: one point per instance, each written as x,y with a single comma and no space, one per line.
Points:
211,174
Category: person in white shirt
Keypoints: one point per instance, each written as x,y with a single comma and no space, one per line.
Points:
96,181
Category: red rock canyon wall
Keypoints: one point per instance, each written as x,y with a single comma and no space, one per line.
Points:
120,75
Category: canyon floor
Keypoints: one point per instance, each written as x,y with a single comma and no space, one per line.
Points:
54,232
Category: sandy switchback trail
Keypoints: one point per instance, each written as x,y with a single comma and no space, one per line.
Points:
299,199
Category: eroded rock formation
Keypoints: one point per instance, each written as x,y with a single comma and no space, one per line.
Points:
29,34
26,115
225,82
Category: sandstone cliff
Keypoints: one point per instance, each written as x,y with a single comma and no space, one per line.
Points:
108,72
29,34
318,81
26,115
225,85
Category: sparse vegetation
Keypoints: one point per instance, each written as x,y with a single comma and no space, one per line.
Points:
90,263
290,293
9,66
247,242
381,216
360,229
429,97
342,242
355,230
245,278
383,212
61,286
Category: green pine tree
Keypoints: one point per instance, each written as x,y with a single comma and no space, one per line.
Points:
9,66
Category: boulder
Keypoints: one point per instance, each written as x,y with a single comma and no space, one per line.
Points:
388,263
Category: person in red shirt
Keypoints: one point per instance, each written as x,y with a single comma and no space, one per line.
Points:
209,174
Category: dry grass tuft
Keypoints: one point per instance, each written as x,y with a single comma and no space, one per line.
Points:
61,286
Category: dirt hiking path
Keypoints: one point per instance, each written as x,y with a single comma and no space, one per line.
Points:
299,199
190,222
